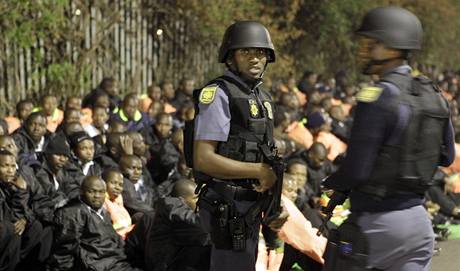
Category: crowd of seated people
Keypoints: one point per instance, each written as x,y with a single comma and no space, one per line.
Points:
100,182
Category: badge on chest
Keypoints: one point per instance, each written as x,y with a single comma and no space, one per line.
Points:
253,108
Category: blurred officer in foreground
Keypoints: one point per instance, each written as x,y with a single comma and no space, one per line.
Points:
401,133
234,121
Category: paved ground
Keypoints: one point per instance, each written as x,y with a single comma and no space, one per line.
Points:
449,258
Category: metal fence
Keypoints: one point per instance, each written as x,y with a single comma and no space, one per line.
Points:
141,46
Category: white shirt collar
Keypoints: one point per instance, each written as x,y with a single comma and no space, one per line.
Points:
98,212
40,145
86,166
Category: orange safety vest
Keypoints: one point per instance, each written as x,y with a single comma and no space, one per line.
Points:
121,219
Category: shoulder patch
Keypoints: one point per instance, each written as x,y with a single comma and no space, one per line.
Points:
369,94
208,94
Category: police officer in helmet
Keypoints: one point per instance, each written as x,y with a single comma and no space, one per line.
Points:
234,119
401,133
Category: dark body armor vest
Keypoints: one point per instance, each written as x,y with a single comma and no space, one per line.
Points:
410,165
251,124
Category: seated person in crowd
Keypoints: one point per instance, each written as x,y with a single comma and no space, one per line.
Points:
305,197
139,147
164,156
139,194
99,125
128,113
14,209
290,101
340,126
39,206
70,115
153,95
292,132
57,183
302,245
184,93
49,107
83,153
84,236
23,110
172,238
10,225
117,145
70,128
73,102
185,113
113,203
32,137
443,193
319,166
155,109
108,88
320,130
165,188
38,211
168,95
117,126
100,100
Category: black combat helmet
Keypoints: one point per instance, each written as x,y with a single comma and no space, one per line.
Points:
246,34
395,27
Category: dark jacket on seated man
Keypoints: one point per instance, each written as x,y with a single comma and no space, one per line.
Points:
60,182
138,199
84,235
139,193
170,239
60,186
10,242
40,206
14,209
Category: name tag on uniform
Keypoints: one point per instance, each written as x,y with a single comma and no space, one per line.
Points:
268,106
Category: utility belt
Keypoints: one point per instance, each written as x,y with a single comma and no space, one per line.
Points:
347,248
232,192
231,228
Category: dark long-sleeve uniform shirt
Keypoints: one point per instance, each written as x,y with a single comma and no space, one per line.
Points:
377,123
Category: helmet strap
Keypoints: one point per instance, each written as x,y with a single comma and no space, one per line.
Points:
250,82
379,62
263,72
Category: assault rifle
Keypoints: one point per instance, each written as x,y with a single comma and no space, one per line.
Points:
337,198
273,207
